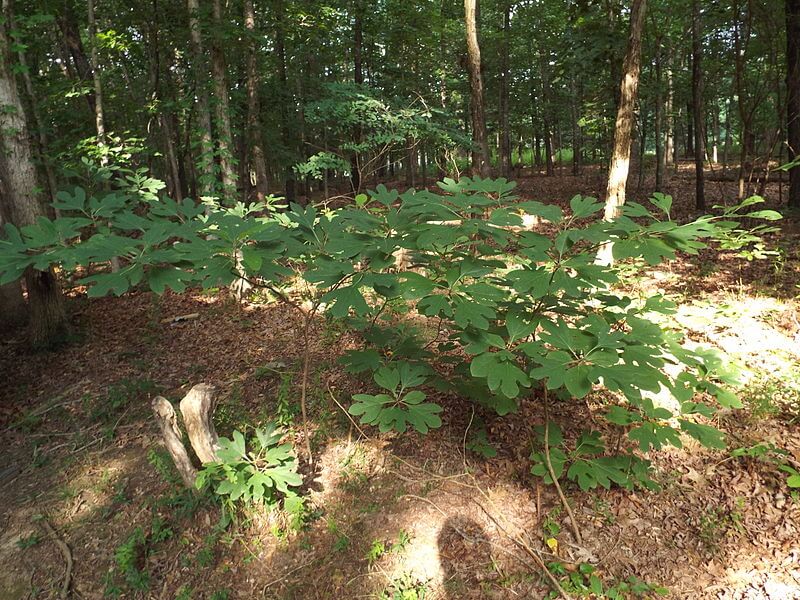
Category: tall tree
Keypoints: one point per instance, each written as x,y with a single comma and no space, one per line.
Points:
621,153
48,319
505,76
256,162
480,149
793,96
697,108
12,304
222,112
205,146
99,115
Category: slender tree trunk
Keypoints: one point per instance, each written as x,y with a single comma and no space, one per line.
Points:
505,130
547,133
358,79
48,320
256,163
283,78
715,134
689,146
68,24
620,158
669,142
740,41
658,121
697,108
576,129
727,145
222,108
205,158
99,115
480,151
793,97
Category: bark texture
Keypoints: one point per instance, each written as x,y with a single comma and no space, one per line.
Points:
197,408
621,155
222,110
256,161
480,150
205,160
168,423
697,108
793,96
48,319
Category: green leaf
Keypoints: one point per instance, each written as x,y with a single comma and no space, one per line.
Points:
708,436
342,300
584,206
160,278
655,436
500,371
388,378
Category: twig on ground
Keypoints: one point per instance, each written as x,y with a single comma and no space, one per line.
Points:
285,575
347,414
65,552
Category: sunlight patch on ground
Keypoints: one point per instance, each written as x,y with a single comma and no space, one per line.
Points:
741,328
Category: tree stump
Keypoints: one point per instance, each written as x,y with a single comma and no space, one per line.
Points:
197,407
168,422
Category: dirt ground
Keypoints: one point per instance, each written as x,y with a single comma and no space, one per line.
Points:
86,487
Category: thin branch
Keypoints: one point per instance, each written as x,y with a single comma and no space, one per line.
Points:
575,529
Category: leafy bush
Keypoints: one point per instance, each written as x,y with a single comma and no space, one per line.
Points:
265,473
513,309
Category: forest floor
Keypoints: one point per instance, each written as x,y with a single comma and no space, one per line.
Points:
84,480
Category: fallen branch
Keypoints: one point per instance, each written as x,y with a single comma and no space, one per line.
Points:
65,552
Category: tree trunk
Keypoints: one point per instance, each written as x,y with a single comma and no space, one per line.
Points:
99,116
358,79
620,157
669,141
68,24
658,121
256,163
280,50
41,135
205,159
13,313
577,149
547,134
697,108
793,97
48,319
222,108
505,132
480,143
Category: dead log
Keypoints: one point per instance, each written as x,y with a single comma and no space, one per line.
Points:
197,407
168,422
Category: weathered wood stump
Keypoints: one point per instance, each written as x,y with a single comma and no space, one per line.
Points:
197,408
168,422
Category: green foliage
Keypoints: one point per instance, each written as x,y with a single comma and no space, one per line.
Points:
400,407
405,587
517,309
585,582
264,473
586,465
28,541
